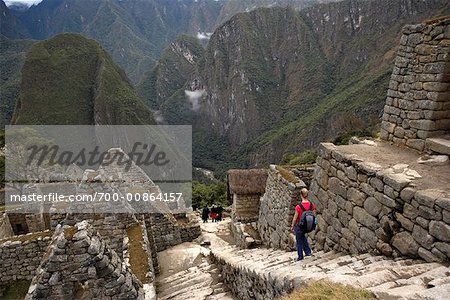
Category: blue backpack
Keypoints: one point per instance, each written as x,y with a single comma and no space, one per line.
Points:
307,220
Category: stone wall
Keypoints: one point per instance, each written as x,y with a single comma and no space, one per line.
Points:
5,226
188,233
164,229
21,256
277,209
245,235
364,208
418,99
79,264
245,207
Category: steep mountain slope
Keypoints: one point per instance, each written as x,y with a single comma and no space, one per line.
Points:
134,32
70,79
174,69
232,7
279,81
10,25
12,58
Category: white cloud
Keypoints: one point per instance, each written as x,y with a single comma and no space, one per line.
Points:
204,35
194,97
26,2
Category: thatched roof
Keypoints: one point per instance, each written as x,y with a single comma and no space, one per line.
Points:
247,181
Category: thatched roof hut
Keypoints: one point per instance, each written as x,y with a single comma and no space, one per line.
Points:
247,181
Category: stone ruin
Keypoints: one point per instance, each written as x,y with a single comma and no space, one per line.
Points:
80,264
55,254
417,110
389,196
383,205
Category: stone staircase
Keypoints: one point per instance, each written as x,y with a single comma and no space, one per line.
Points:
439,144
188,271
267,274
202,282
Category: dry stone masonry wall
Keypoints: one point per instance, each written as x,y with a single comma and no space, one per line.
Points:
21,257
245,207
80,264
418,102
364,208
277,210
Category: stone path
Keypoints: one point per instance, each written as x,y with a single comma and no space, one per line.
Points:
266,273
187,272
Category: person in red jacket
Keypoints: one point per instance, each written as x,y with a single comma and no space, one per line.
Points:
300,237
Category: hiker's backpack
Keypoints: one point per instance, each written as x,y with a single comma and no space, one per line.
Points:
307,220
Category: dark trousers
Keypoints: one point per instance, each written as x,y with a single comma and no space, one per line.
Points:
302,243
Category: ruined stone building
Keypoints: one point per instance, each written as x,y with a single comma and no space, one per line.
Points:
96,250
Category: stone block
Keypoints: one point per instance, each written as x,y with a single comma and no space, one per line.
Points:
417,144
422,222
356,196
389,127
353,226
410,211
337,187
405,243
377,184
429,213
407,194
364,218
423,124
443,202
428,197
372,206
428,256
385,200
434,68
436,86
405,222
369,236
422,237
440,230
396,181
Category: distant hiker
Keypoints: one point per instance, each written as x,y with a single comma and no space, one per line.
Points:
219,213
304,221
205,214
214,213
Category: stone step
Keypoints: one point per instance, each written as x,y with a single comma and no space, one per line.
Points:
439,145
171,289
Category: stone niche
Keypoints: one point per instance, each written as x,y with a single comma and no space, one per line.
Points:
418,99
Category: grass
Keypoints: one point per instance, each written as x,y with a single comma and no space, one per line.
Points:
27,237
138,256
16,290
323,290
288,175
69,232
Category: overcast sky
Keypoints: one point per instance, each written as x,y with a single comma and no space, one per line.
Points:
27,2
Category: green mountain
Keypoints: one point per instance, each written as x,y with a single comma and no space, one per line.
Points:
71,80
134,32
12,58
10,25
276,80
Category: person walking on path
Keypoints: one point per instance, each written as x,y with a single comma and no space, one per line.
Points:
205,214
300,216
